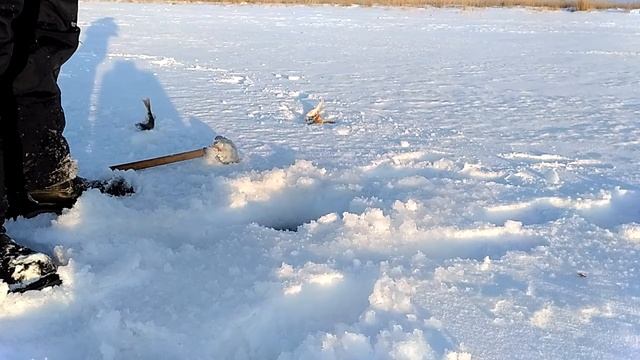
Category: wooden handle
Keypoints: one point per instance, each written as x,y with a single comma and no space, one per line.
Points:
162,160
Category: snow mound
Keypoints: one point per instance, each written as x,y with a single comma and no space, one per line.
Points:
399,232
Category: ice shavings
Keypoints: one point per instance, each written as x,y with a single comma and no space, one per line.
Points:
534,157
388,344
607,208
458,356
477,171
631,232
398,232
310,274
392,295
233,79
261,187
543,317
405,345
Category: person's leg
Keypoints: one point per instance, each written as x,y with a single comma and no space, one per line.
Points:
9,11
4,204
21,268
47,37
43,175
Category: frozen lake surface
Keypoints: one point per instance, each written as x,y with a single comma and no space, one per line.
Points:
477,197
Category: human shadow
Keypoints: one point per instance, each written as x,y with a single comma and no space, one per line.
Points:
83,68
119,108
106,105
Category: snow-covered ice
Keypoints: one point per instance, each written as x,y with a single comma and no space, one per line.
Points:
477,197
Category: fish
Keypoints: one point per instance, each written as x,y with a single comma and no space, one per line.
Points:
151,120
315,115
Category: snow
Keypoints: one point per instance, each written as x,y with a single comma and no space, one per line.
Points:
477,197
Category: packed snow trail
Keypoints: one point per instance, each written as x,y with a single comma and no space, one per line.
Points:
477,197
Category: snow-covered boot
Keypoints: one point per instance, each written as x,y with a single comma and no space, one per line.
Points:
24,269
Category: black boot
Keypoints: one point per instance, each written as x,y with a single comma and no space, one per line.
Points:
24,269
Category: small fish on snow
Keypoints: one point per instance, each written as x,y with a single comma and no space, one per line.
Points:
315,115
151,120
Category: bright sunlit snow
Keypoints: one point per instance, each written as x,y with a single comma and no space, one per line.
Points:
476,198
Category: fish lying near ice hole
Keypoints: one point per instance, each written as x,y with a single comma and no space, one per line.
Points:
315,115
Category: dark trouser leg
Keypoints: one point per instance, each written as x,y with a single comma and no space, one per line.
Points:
3,199
47,37
20,267
9,11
